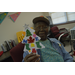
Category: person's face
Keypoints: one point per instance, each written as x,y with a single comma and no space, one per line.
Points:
41,29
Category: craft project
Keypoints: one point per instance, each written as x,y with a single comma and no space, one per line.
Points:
31,40
14,16
2,16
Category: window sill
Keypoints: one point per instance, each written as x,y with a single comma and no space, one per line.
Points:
64,23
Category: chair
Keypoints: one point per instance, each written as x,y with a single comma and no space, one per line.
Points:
20,36
17,52
59,34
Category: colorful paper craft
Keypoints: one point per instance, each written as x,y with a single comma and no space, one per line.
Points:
31,40
36,38
32,45
25,41
27,46
34,35
28,33
14,16
26,27
33,50
2,16
38,45
29,50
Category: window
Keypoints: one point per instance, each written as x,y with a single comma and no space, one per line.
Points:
62,17
71,16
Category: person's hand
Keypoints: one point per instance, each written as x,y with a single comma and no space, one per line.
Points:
32,58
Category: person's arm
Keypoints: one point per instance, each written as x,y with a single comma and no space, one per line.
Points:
67,57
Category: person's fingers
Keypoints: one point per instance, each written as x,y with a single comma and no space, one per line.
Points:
33,58
29,55
38,60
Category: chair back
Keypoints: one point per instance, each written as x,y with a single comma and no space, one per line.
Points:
20,36
54,30
17,52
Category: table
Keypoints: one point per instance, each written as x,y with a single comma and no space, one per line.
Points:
5,56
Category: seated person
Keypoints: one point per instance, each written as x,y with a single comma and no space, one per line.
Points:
53,52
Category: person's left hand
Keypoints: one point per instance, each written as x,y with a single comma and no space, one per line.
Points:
32,58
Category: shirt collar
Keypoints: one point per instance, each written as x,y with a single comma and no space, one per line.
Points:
53,40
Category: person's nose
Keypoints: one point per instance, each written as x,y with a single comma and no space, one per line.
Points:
41,28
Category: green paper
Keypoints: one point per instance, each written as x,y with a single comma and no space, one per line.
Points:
27,46
38,45
28,33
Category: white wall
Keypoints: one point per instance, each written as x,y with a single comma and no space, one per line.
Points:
46,13
8,28
68,26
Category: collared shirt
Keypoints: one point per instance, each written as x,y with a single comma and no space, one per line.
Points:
58,47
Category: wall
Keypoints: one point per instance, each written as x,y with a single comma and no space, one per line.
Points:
68,26
8,28
46,13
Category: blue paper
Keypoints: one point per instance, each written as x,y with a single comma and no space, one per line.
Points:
36,38
24,41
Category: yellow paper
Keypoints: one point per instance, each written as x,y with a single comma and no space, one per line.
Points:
32,45
29,50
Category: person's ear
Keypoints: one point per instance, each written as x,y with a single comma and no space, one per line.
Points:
34,28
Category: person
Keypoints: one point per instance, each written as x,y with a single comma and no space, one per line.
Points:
53,52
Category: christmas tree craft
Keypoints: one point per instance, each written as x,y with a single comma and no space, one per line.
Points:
31,40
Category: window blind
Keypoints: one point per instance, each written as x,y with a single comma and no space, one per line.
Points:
58,17
71,16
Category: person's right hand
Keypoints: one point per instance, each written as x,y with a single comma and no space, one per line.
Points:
32,58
